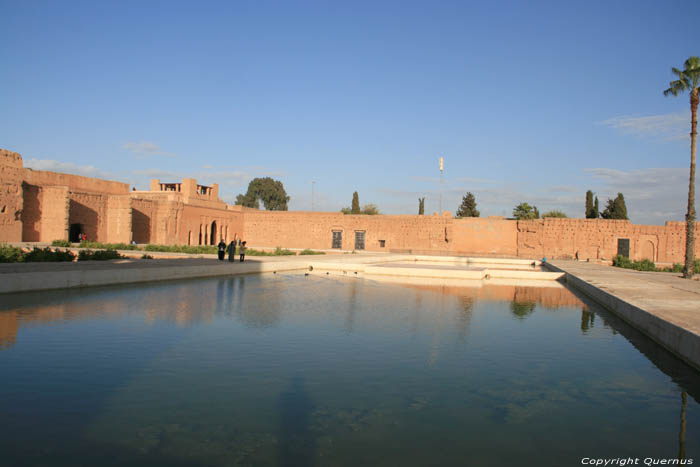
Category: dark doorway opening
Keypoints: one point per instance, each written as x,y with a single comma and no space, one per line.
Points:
74,233
623,247
212,236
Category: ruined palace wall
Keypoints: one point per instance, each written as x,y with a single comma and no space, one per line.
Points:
598,238
196,219
142,213
11,196
74,182
298,229
118,216
89,203
485,236
45,213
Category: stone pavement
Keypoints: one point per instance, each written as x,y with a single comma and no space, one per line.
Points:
662,305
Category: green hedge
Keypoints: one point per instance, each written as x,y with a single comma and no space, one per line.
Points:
647,265
108,246
200,249
278,252
65,243
312,252
10,254
99,255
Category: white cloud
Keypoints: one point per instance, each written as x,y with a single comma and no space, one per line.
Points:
146,148
652,195
667,127
66,167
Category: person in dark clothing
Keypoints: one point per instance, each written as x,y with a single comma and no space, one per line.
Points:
231,251
222,249
242,250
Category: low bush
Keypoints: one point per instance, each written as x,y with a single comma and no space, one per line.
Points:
65,243
680,267
642,265
48,255
10,254
278,252
99,255
312,252
108,246
147,257
200,249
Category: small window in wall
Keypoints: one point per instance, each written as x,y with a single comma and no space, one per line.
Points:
360,240
337,239
382,243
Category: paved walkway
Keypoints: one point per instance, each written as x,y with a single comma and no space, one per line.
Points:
663,305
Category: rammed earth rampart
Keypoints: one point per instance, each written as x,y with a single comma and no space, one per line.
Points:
45,206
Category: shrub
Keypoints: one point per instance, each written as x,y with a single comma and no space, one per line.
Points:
283,252
99,255
643,265
10,254
48,255
199,249
64,243
679,267
108,246
312,252
146,256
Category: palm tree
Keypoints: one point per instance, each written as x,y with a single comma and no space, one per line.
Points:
688,80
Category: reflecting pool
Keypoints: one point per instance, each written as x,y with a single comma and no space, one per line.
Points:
290,369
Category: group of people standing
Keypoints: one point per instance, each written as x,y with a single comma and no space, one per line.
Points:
236,246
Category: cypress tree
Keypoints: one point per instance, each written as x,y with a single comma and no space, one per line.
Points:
596,211
355,209
620,207
421,206
590,209
468,206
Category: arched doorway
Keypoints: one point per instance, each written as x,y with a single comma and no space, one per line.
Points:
189,238
200,235
648,250
212,240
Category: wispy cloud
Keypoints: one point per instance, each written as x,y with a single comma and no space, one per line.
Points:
66,167
652,195
447,180
146,148
563,189
666,127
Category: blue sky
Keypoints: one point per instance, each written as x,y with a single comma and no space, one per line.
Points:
526,101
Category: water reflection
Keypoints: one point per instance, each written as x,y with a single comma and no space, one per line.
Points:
522,309
587,320
681,433
464,317
352,306
297,443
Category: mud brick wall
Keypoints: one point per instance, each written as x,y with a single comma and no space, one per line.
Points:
55,213
75,183
11,196
118,219
195,219
315,230
142,211
45,213
598,239
88,210
485,236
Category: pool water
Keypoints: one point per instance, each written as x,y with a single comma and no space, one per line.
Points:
290,369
